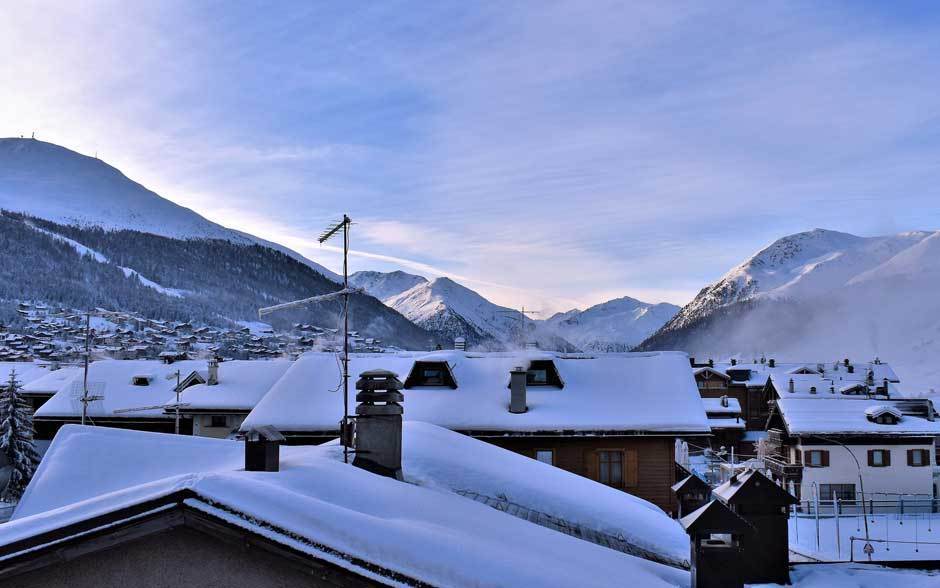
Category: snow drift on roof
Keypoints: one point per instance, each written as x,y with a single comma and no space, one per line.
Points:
419,529
616,392
846,416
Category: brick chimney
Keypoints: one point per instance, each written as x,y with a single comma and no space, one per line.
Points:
378,423
517,390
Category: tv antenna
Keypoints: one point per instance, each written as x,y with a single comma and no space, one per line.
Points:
330,231
522,315
85,398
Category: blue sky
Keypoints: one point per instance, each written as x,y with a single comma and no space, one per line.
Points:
552,154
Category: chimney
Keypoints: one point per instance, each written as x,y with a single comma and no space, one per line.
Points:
262,449
772,362
734,362
791,385
517,400
851,369
711,363
460,344
724,401
213,372
378,423
885,384
812,389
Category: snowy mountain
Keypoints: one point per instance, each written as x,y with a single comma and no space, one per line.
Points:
615,325
385,285
823,295
75,231
452,310
48,181
796,267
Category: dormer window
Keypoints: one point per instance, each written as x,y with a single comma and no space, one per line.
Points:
430,374
883,415
543,373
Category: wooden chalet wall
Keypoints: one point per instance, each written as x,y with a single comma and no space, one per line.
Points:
648,467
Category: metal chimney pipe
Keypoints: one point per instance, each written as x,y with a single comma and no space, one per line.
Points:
517,390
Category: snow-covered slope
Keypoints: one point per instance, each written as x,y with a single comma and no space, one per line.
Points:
446,307
800,266
51,182
385,285
613,325
823,295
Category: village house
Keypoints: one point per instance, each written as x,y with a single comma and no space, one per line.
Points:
754,385
219,397
612,418
822,444
128,394
171,510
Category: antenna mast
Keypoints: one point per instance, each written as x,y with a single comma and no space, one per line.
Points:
345,292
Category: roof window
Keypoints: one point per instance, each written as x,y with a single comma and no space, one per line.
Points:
430,374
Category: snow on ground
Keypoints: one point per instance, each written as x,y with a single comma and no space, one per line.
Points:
101,258
426,532
174,292
623,392
49,181
859,576
908,537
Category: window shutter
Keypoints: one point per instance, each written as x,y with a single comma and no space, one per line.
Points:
887,455
590,464
871,457
630,468
824,461
910,456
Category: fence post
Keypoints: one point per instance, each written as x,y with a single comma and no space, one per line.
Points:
838,515
816,508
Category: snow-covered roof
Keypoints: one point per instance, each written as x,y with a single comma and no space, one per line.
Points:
615,392
718,406
242,383
113,379
835,371
878,410
407,527
846,416
26,371
711,370
827,385
53,381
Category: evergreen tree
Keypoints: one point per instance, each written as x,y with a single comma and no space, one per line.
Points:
16,439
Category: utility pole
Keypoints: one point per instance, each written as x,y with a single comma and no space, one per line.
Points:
176,428
85,377
345,335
